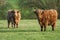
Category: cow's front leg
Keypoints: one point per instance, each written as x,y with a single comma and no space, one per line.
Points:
44,28
12,24
16,25
8,23
41,28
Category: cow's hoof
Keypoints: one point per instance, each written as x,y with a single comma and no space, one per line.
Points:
52,30
41,30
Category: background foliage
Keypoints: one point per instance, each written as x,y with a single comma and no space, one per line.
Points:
26,7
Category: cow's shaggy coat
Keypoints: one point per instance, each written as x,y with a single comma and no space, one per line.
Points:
13,17
46,17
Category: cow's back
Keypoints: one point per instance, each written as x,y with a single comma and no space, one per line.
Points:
50,16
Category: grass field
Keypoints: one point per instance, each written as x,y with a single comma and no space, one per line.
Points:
28,30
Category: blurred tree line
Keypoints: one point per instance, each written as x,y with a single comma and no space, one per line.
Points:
27,6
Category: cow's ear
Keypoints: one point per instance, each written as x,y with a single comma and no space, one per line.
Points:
12,11
17,11
35,11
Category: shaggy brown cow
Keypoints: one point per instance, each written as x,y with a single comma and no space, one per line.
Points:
13,17
46,17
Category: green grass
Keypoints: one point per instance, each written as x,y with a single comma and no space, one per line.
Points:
28,30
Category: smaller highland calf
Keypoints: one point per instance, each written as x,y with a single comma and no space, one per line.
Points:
46,17
13,17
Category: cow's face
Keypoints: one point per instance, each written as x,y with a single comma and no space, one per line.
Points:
15,12
38,13
35,11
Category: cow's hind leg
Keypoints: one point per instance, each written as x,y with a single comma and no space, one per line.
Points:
53,26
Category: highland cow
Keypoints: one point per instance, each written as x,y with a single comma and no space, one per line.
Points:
13,17
46,17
